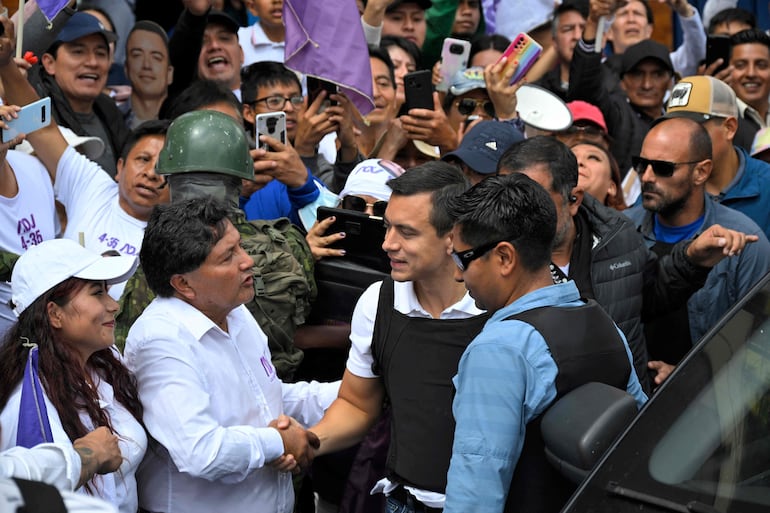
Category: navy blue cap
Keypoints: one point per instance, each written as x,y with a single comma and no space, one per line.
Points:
83,24
482,147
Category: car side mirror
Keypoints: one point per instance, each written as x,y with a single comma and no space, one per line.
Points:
578,428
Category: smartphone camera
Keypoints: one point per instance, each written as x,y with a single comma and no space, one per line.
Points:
455,49
271,122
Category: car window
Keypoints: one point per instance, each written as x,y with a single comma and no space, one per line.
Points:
704,439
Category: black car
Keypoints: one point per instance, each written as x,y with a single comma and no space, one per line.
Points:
702,443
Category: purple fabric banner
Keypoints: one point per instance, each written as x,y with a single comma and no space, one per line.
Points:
325,39
51,8
34,427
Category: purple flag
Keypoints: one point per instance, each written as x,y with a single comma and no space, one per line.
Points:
34,427
325,39
51,8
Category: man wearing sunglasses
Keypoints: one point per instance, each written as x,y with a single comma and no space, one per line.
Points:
526,356
674,166
599,249
407,336
737,180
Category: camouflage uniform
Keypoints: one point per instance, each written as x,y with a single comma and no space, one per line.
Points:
284,288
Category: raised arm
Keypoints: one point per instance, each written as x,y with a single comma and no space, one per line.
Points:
48,142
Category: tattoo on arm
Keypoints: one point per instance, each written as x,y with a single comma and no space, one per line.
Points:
89,465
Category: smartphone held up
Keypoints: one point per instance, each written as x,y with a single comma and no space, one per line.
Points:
272,124
31,117
522,54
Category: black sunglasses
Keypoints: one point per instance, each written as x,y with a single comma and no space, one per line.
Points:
466,106
662,168
359,205
464,258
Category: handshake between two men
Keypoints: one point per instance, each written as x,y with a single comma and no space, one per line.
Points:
299,445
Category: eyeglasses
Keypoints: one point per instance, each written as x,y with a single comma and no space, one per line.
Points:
464,258
662,168
467,106
360,205
278,102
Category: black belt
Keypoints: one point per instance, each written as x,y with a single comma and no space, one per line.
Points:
402,495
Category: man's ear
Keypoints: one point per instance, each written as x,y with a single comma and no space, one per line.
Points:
730,126
507,258
702,172
170,75
182,287
49,63
575,200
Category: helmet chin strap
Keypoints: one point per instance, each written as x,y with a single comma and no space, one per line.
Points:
221,188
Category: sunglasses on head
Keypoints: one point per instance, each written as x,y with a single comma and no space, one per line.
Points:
467,106
662,168
360,205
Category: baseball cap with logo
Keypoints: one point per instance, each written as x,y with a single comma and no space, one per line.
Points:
468,80
484,144
701,98
81,24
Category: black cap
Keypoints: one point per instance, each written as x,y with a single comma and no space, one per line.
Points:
224,19
646,49
423,4
581,6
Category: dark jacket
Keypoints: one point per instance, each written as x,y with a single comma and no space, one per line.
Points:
104,108
588,81
629,280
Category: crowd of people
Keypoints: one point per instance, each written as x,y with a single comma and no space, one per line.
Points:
157,293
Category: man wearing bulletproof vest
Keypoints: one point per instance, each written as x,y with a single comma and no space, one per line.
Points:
541,341
408,333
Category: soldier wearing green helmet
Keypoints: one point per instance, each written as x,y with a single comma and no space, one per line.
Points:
206,154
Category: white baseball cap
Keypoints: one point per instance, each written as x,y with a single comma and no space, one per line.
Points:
90,146
49,263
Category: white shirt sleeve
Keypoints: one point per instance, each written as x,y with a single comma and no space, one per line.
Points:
360,358
692,51
307,402
177,413
55,464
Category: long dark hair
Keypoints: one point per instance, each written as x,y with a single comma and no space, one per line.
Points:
66,383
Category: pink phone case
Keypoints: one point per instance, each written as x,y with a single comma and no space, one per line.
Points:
522,53
454,58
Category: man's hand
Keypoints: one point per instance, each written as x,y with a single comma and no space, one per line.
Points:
717,242
663,370
7,113
503,95
681,7
7,42
726,75
342,116
319,242
312,126
430,126
298,443
283,163
99,453
197,7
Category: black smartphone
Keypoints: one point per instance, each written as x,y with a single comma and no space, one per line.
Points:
314,88
363,237
418,89
718,47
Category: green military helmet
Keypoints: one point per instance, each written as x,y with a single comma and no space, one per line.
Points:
206,141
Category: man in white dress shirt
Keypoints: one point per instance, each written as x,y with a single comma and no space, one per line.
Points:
211,397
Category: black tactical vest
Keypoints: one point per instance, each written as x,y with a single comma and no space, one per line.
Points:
417,359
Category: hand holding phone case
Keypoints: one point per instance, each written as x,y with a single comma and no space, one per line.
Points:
522,53
418,89
272,124
31,117
454,58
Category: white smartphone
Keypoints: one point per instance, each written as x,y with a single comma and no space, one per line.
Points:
454,58
31,117
272,124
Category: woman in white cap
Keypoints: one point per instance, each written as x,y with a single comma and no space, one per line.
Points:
365,190
60,376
